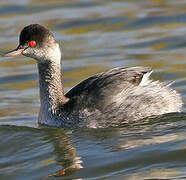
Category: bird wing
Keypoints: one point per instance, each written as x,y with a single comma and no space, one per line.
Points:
109,83
94,98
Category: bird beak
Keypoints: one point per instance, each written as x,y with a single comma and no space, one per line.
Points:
15,52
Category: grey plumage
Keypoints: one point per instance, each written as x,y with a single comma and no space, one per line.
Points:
118,96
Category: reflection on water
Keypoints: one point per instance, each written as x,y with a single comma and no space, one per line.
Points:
94,36
64,151
151,147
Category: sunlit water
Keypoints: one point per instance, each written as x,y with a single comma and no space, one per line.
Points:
94,36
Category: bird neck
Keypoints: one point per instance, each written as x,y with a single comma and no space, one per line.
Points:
51,88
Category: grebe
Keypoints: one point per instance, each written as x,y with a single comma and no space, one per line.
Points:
115,97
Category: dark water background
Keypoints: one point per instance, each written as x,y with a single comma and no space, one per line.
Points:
95,35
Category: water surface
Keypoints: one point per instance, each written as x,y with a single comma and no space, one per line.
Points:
94,36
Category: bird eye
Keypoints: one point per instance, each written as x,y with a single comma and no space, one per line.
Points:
32,43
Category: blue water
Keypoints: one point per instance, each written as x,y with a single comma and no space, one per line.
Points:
94,36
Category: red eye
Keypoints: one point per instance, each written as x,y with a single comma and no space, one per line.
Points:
32,43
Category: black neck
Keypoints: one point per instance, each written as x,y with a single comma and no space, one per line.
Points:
51,88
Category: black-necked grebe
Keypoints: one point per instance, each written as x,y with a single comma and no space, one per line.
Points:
120,95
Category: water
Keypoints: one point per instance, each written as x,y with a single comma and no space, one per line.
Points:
95,35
